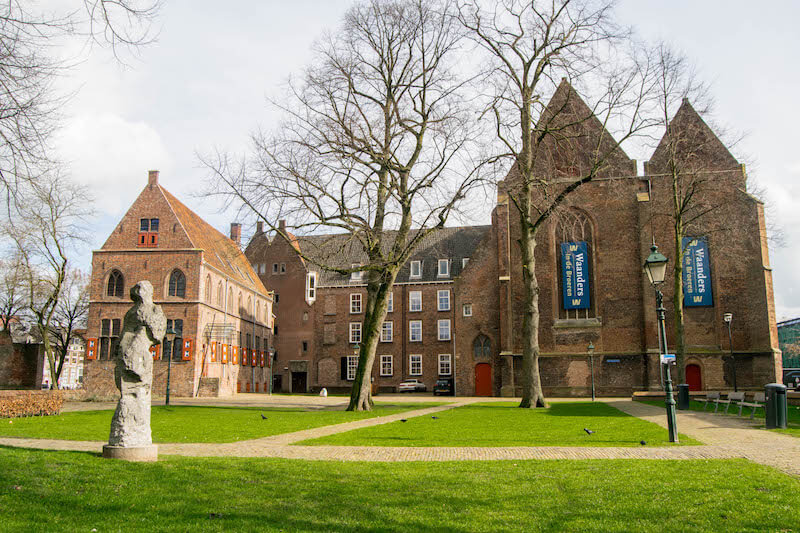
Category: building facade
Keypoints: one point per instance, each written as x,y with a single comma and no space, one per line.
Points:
72,372
456,309
212,298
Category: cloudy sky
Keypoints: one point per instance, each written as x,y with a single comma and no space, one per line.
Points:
204,84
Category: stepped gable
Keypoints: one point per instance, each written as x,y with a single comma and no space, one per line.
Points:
219,251
343,250
575,133
694,143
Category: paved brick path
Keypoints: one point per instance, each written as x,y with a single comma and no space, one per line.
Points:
724,437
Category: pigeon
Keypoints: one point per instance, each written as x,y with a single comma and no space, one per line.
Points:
643,443
263,417
403,420
588,431
435,417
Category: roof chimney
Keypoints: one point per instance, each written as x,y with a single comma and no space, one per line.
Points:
236,233
260,227
152,178
282,226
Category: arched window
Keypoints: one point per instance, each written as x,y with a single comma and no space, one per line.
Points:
240,309
220,294
258,311
230,300
574,238
116,284
208,288
249,306
482,346
177,284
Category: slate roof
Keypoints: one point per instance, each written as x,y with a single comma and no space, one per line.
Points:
454,244
220,251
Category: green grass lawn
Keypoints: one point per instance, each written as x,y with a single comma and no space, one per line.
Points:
193,424
793,420
70,491
504,424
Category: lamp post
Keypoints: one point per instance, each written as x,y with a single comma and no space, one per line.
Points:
169,336
728,318
590,349
656,268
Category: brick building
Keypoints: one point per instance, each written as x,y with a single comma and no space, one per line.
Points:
474,335
220,310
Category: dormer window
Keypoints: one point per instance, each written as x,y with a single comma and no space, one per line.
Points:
356,275
148,224
416,269
148,232
464,262
311,287
444,268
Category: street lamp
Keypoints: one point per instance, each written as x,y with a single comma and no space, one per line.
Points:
590,349
169,337
728,318
656,268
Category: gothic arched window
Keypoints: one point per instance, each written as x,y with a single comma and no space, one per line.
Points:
177,284
574,238
482,346
116,284
208,288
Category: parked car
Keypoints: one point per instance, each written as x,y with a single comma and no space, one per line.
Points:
412,385
443,387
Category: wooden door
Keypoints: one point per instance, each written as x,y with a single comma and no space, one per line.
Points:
693,377
483,379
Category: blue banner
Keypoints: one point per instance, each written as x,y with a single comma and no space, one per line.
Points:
696,273
575,275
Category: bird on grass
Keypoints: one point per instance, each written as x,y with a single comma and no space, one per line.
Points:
403,420
643,443
263,417
435,417
588,431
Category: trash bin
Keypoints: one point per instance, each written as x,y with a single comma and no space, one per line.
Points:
683,396
776,408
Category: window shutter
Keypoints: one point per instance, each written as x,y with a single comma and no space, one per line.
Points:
262,359
91,348
224,353
235,354
343,376
245,358
188,346
253,360
213,351
155,349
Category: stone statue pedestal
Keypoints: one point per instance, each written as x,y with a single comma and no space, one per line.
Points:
141,454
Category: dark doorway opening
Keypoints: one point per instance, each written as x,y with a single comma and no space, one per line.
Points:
299,381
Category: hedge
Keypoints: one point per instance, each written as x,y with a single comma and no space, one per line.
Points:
15,404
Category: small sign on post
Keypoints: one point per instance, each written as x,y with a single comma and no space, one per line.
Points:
667,358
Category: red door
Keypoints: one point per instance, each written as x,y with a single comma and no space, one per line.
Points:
693,377
483,379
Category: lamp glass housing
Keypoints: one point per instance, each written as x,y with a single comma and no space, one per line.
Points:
656,266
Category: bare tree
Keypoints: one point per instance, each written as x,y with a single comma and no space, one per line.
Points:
71,313
374,147
538,49
12,292
42,230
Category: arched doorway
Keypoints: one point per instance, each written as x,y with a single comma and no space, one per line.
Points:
483,379
694,377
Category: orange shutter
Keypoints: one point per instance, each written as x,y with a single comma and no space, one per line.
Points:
224,353
235,354
91,348
155,350
213,351
253,358
188,346
261,359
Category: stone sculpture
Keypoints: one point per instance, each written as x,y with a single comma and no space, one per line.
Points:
144,325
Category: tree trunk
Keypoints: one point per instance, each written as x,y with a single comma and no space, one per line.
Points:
532,395
677,298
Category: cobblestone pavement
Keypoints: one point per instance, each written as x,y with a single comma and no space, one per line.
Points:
724,437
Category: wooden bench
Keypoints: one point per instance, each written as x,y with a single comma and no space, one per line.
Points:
759,399
711,397
732,397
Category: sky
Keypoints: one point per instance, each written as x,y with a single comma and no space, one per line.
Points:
203,85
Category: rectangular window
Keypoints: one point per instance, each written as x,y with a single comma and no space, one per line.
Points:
356,275
467,309
311,287
390,303
352,366
416,269
154,224
355,332
175,349
444,330
415,365
464,262
387,331
444,268
355,303
415,330
283,268
444,300
144,224
386,365
415,301
445,367
305,346
274,268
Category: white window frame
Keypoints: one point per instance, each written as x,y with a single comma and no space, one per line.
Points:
352,367
445,363
387,365
439,325
387,333
439,295
411,295
311,287
466,309
355,328
411,324
355,303
415,360
415,265
390,303
443,268
357,275
464,262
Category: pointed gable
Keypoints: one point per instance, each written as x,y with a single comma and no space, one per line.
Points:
693,143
